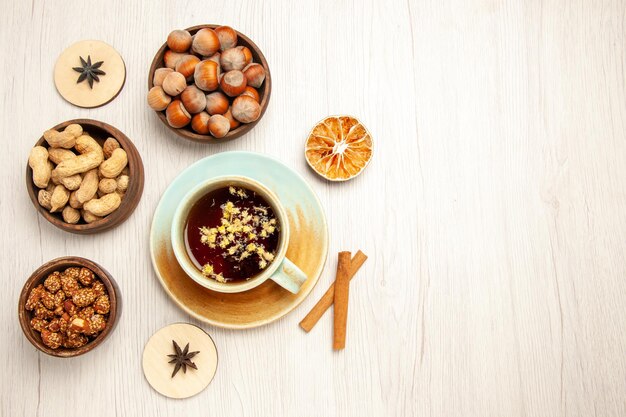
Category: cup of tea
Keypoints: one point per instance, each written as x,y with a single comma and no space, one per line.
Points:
231,233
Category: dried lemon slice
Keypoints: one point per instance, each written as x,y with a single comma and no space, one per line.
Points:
338,148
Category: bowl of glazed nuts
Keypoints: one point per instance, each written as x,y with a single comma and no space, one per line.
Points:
209,83
84,176
68,306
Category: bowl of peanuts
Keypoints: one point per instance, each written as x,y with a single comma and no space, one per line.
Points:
84,176
69,306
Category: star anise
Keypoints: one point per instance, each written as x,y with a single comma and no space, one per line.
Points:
88,71
182,358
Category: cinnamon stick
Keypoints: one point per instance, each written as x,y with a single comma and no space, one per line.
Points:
326,301
342,290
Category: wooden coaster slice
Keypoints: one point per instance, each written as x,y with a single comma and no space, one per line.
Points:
102,91
158,370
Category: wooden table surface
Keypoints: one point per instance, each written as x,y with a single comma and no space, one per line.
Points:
493,212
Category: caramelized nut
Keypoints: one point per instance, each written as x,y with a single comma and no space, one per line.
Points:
51,339
53,282
84,297
86,276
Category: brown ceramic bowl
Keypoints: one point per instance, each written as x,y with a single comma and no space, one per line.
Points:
100,131
39,276
264,91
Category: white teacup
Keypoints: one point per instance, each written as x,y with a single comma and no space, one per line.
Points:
281,270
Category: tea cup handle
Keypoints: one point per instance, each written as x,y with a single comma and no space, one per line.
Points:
289,276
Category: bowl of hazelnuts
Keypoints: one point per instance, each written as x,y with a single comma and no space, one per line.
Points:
68,306
209,83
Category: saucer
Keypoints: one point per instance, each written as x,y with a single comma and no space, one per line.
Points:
308,243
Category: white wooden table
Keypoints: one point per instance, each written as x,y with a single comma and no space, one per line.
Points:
493,213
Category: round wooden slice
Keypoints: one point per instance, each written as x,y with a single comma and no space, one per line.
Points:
80,93
158,370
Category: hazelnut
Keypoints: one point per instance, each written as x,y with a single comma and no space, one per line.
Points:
216,103
233,83
206,75
246,109
246,53
157,99
176,114
234,123
179,40
215,57
193,99
159,75
227,37
174,83
186,66
252,92
200,123
232,59
205,42
219,125
170,58
255,74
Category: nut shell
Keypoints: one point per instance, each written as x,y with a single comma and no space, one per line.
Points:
219,126
232,59
206,75
233,83
170,58
193,99
252,92
246,109
255,74
234,123
227,37
205,42
160,74
179,40
109,146
200,123
217,103
176,114
174,83
186,66
246,53
157,98
70,215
